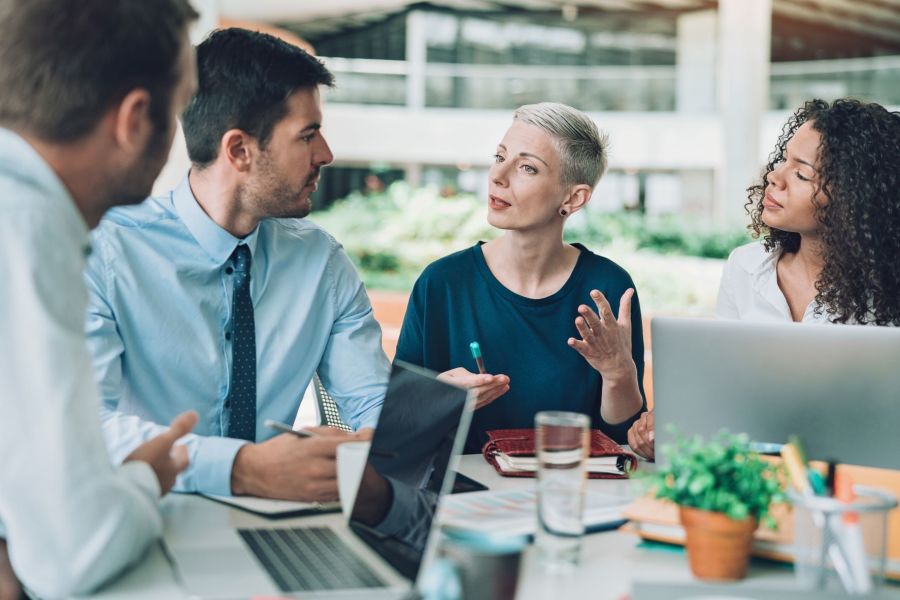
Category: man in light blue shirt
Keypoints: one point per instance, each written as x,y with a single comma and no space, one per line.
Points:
218,297
90,91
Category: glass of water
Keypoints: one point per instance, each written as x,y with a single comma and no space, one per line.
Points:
562,450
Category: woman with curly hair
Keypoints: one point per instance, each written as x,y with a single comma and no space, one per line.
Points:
828,212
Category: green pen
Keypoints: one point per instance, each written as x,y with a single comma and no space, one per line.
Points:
476,354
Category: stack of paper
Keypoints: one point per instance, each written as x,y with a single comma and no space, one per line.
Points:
514,512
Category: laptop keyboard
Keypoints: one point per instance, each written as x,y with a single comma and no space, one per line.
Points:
309,558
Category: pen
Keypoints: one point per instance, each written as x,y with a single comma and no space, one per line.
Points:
272,424
302,433
476,354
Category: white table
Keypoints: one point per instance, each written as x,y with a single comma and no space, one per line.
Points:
611,560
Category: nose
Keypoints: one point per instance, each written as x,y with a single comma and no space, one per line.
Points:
322,155
498,174
774,177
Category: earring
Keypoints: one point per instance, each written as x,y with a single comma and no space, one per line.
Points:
563,212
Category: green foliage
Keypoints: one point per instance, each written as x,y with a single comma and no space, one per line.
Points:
722,475
668,234
394,235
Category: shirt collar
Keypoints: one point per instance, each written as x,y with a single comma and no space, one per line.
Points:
215,241
20,160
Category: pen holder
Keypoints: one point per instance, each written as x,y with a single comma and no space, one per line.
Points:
841,545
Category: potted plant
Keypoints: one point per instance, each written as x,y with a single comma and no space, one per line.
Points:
723,490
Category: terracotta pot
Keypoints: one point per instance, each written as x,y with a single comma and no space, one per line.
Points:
718,547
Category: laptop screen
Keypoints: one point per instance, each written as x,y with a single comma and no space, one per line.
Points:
422,426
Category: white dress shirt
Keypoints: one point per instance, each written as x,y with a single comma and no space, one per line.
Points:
749,289
72,520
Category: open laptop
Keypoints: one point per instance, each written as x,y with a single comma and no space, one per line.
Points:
836,386
391,532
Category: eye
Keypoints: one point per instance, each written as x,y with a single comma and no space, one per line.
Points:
801,177
498,158
308,138
529,169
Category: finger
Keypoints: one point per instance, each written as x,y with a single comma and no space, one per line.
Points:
632,439
625,307
474,380
180,458
496,393
583,330
602,305
324,430
323,446
180,426
483,390
583,348
365,434
592,319
453,374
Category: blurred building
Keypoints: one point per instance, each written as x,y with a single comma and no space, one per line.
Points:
692,92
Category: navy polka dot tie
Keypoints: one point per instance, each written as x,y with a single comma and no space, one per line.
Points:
241,403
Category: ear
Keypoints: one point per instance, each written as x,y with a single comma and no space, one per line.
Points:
238,148
132,126
579,196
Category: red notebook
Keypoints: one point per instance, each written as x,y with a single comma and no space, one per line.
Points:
511,453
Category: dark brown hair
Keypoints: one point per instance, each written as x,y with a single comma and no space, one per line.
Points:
64,63
244,80
859,224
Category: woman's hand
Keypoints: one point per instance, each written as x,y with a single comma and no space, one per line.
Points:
641,436
486,388
606,341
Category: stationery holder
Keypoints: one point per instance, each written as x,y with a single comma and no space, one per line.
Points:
841,544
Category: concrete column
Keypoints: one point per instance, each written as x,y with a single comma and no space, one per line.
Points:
745,34
416,56
412,173
695,62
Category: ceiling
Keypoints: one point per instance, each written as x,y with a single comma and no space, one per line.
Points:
802,29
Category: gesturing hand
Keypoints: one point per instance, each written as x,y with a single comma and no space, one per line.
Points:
605,341
486,388
160,452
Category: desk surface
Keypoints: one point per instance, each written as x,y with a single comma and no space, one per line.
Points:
611,561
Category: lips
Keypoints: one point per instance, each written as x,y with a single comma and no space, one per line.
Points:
497,203
770,202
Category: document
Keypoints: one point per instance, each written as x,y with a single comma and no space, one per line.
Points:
275,509
514,512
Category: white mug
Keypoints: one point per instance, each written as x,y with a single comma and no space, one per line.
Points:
351,461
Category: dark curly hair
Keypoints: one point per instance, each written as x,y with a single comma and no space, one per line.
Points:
859,175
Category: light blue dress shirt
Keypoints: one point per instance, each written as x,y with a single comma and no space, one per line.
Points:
159,321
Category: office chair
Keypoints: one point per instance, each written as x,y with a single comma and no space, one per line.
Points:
328,410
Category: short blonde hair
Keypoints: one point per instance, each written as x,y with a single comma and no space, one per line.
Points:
582,147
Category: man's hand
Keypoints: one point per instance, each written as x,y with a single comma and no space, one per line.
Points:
606,341
486,388
160,452
288,467
641,436
10,588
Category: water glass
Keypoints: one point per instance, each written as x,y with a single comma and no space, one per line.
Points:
562,450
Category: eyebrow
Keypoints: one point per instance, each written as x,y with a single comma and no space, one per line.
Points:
528,154
310,127
804,162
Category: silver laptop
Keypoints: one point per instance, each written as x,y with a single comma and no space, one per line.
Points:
391,532
836,386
